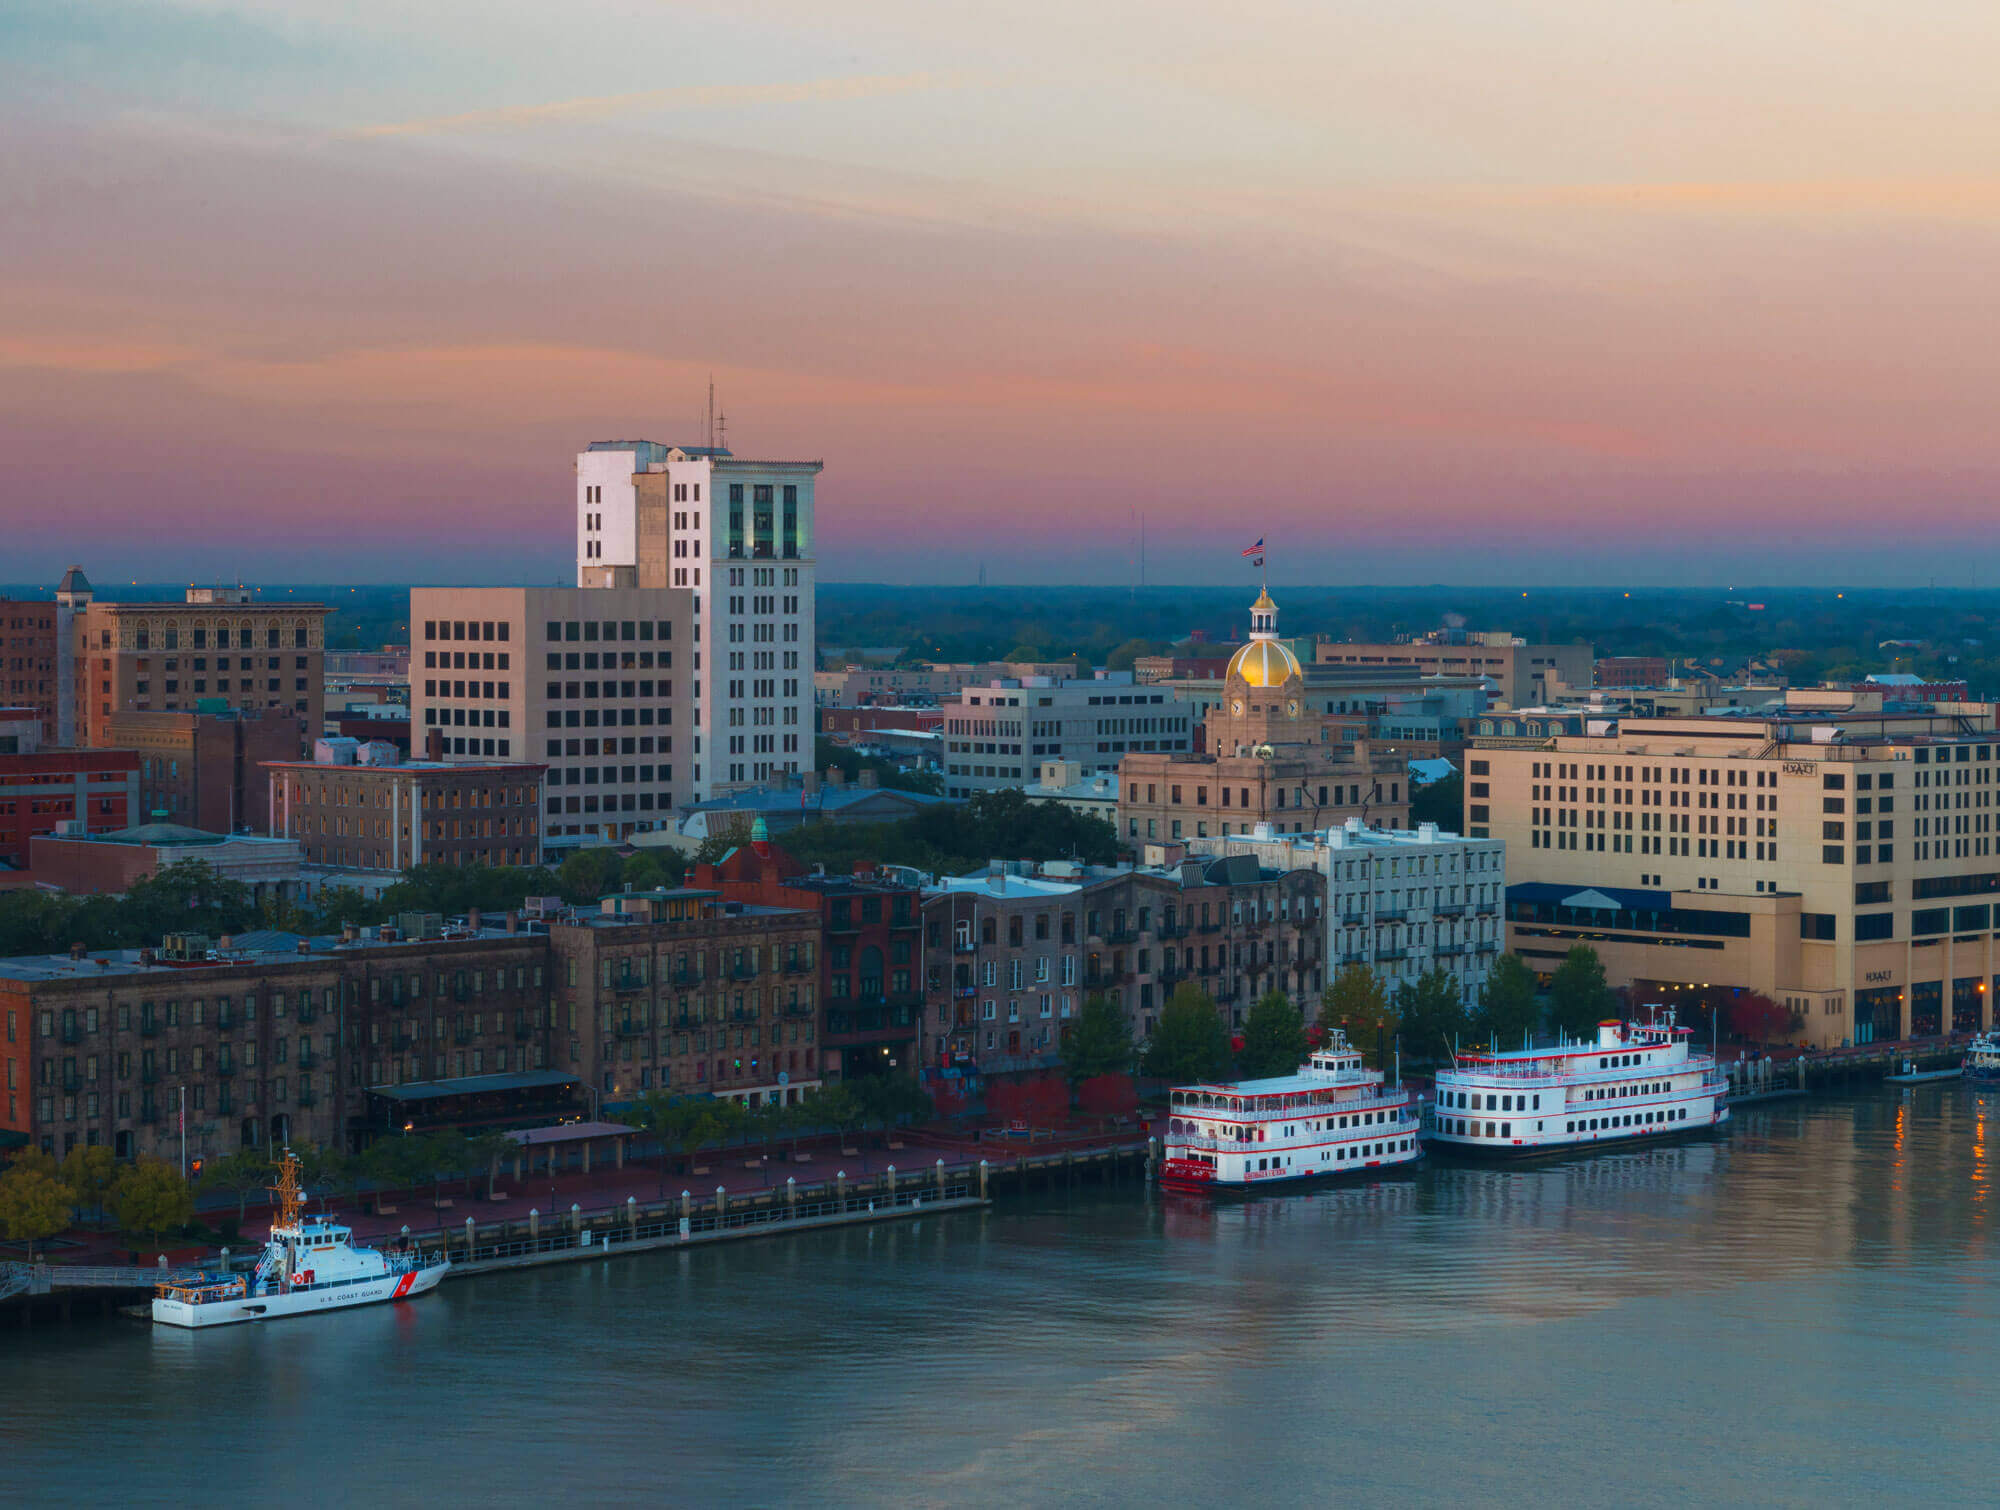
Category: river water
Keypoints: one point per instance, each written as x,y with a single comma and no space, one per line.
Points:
1801,1311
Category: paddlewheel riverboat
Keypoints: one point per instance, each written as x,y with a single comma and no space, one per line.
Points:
309,1264
1638,1080
1333,1117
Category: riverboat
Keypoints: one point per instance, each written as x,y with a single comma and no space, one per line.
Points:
1334,1117
309,1264
1638,1080
1982,1056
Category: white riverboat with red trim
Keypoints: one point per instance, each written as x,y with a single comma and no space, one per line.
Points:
1638,1080
309,1264
1334,1117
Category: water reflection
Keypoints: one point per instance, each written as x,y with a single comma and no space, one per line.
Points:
1824,1259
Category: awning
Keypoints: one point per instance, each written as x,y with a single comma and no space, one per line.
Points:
472,1085
569,1132
1593,898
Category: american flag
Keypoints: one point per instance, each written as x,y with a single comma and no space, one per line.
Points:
1255,550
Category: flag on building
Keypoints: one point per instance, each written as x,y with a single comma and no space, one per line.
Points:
1255,550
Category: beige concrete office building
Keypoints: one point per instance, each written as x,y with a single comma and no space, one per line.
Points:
1519,671
1839,857
592,682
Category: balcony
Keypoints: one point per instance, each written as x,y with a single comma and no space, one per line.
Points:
842,925
523,1031
1387,956
626,984
461,1035
906,999
1449,910
225,1068
684,1022
798,1009
1487,909
149,1027
224,1023
964,946
402,1043
307,1012
149,1112
743,972
1353,919
306,1096
1447,951
1390,914
684,978
307,1059
71,1033
1122,936
630,1029
149,1076
1486,946
225,1104
71,1083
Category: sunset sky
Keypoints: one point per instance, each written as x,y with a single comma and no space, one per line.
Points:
1420,290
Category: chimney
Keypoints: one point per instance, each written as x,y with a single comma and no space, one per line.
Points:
349,934
513,920
472,918
834,777
224,944
76,951
305,947
809,783
867,776
145,956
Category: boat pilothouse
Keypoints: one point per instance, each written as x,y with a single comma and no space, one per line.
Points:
1333,1117
1638,1080
1982,1056
309,1264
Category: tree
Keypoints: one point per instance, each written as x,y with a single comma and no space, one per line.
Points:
34,1205
895,1100
1274,1038
1509,1007
151,1197
1022,653
90,1171
1190,1043
1579,999
1100,1041
1755,1018
241,1174
487,1151
656,1114
1432,1015
1122,657
588,874
1357,1002
1441,802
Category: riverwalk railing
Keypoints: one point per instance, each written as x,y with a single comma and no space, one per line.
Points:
40,1279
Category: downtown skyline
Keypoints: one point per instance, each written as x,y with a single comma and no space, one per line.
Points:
1437,294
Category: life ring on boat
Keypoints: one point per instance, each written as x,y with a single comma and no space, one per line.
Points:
303,1277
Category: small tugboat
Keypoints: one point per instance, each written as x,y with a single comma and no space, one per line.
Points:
308,1265
1333,1117
1982,1056
1911,1075
1638,1080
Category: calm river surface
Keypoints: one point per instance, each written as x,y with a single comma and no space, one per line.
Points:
1804,1311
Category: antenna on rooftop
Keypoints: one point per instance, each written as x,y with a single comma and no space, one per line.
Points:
708,431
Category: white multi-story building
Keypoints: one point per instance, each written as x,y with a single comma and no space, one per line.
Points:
735,536
1000,733
1400,901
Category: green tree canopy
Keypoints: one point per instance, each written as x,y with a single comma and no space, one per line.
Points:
1189,1043
1357,1002
34,1205
1579,998
90,1172
1432,1014
1123,655
1099,1042
241,1174
1441,802
151,1197
1274,1038
1508,1004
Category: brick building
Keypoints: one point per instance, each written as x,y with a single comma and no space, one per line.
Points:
46,789
684,992
390,816
88,864
220,648
871,972
208,770
271,1036
28,659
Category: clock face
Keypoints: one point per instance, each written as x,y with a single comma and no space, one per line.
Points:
1236,707
1292,708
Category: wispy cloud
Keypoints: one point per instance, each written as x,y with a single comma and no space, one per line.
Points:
683,97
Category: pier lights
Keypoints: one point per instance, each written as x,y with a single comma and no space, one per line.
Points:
575,1217
534,1223
791,1193
468,1239
721,1203
632,1214
940,1178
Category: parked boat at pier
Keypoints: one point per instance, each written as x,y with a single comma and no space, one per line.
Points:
1982,1056
1638,1080
309,1264
1334,1117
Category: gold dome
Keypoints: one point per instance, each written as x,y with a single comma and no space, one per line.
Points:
1264,663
